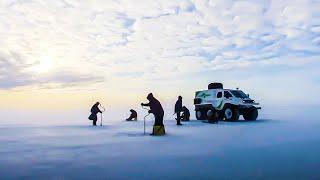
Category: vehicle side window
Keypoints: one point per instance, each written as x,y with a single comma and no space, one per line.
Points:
219,95
227,94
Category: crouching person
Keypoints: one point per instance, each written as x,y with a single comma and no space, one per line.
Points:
185,114
157,110
133,116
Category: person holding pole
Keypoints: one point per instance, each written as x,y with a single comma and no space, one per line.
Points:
94,111
157,110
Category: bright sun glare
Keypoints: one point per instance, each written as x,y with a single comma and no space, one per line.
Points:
44,66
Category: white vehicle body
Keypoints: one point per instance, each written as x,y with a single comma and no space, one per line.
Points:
220,100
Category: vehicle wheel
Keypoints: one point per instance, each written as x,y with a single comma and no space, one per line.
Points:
201,115
213,116
251,114
231,114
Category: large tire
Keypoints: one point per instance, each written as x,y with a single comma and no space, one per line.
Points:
231,114
213,116
251,114
201,115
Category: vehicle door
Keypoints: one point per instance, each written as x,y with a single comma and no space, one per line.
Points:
218,100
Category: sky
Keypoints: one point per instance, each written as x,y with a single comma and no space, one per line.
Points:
66,54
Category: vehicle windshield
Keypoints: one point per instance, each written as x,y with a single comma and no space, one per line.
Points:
239,94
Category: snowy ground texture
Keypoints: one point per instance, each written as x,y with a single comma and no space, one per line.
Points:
265,149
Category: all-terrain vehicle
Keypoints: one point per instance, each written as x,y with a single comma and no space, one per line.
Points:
217,103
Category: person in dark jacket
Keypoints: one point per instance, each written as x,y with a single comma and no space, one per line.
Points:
133,115
178,110
156,109
94,111
185,114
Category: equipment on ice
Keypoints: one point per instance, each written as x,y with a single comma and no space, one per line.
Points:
103,110
158,131
144,120
217,103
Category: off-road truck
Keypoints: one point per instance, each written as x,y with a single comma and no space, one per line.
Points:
217,103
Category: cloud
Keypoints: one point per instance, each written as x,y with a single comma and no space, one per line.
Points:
14,73
150,40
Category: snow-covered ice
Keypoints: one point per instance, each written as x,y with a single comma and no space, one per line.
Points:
264,149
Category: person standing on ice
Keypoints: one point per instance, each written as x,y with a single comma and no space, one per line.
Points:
156,109
133,115
94,111
178,110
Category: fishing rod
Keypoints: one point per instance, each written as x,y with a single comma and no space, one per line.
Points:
103,110
144,120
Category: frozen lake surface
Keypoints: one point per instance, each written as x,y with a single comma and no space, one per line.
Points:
265,149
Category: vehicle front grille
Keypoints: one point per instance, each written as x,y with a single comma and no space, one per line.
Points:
248,101
197,101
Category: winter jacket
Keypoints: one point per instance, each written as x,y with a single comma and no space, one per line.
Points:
155,107
178,106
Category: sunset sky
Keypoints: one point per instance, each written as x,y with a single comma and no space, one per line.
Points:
67,54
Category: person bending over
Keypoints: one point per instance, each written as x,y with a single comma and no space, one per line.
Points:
156,109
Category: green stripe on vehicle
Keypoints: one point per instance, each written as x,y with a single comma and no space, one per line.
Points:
219,107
